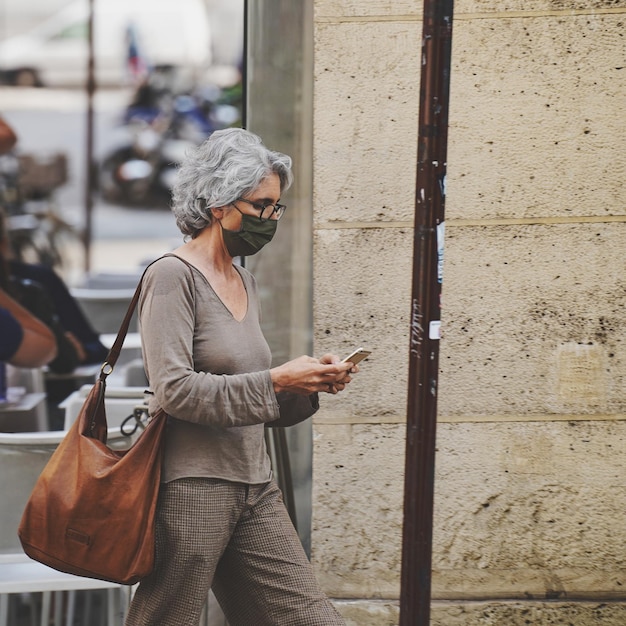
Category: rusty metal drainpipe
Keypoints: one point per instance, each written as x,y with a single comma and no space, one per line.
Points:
89,180
415,590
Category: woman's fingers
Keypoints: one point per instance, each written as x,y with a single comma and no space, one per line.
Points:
307,375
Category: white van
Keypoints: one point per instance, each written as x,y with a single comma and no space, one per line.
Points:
54,54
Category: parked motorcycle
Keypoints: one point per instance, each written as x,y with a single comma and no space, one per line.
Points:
159,126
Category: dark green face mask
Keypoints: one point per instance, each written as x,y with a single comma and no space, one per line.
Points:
251,237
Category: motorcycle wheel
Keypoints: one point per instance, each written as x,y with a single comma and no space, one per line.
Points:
117,191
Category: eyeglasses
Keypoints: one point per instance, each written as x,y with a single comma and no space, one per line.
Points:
267,211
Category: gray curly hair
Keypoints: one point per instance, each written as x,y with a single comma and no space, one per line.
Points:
228,165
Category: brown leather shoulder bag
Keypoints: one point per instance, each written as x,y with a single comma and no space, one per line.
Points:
92,510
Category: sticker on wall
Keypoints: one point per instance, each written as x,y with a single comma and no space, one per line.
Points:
434,329
441,231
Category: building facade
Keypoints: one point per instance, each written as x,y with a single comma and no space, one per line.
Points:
531,441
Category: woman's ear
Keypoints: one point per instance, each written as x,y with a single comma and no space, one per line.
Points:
217,213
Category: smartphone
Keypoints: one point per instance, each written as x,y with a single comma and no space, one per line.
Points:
357,356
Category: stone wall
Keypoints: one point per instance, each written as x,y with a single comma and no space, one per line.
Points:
531,435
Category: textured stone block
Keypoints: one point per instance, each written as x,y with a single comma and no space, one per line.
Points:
357,493
362,283
528,7
373,613
528,614
521,510
369,612
536,108
531,318
369,8
366,111
527,510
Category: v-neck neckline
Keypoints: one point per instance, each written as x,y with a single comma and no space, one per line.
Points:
208,282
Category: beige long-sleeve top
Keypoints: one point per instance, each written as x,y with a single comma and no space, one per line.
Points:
210,373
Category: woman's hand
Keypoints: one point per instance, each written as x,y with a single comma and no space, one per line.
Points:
306,375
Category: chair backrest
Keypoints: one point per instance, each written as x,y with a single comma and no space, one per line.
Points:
27,411
31,378
112,280
22,458
119,403
105,308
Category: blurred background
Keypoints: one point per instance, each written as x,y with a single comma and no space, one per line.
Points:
166,76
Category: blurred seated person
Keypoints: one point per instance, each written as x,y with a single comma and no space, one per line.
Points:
25,341
40,290
33,297
70,316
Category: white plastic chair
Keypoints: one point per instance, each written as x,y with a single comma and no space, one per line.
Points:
22,458
119,403
105,308
27,411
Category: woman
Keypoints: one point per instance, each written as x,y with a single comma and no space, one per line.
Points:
221,522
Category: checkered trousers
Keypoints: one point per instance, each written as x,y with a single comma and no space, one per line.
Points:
239,540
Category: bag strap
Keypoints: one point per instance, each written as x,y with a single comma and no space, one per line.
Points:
116,348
